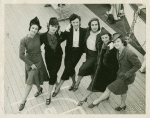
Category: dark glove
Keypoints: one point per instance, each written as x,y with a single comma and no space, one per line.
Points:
123,77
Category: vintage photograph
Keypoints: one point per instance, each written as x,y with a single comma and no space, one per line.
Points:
75,58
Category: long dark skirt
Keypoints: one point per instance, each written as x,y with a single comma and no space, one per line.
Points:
87,67
53,66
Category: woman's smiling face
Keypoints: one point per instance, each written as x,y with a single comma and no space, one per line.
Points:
34,29
118,43
105,38
94,26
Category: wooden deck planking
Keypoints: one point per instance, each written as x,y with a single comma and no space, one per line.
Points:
83,91
69,103
142,76
9,97
137,93
8,108
14,92
96,95
65,106
92,97
72,94
84,106
82,87
17,88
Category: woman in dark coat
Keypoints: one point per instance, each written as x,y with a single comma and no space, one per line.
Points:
128,65
73,50
106,67
30,53
92,37
53,53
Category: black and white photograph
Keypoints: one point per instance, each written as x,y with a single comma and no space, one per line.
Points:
63,58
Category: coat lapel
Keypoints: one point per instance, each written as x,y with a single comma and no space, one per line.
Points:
97,38
87,35
71,37
80,40
122,54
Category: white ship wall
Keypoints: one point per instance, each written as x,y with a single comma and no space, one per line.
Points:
139,28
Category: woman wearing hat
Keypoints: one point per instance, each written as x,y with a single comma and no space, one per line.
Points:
93,36
34,65
73,51
128,65
53,53
106,66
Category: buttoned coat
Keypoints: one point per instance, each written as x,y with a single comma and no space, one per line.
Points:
128,65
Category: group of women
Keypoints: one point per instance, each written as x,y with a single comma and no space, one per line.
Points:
109,61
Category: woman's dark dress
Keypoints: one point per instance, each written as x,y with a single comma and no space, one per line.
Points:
53,54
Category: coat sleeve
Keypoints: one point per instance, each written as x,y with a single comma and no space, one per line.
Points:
84,39
110,59
22,53
63,36
133,58
41,39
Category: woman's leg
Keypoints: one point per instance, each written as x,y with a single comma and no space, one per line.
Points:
53,75
103,97
77,83
36,72
84,99
65,76
123,100
78,80
86,96
27,91
49,91
59,85
73,79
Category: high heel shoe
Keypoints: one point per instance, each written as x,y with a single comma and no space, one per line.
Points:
38,93
48,101
93,105
106,99
21,107
81,102
54,93
71,88
76,87
120,108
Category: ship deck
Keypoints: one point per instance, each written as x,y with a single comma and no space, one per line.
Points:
17,19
